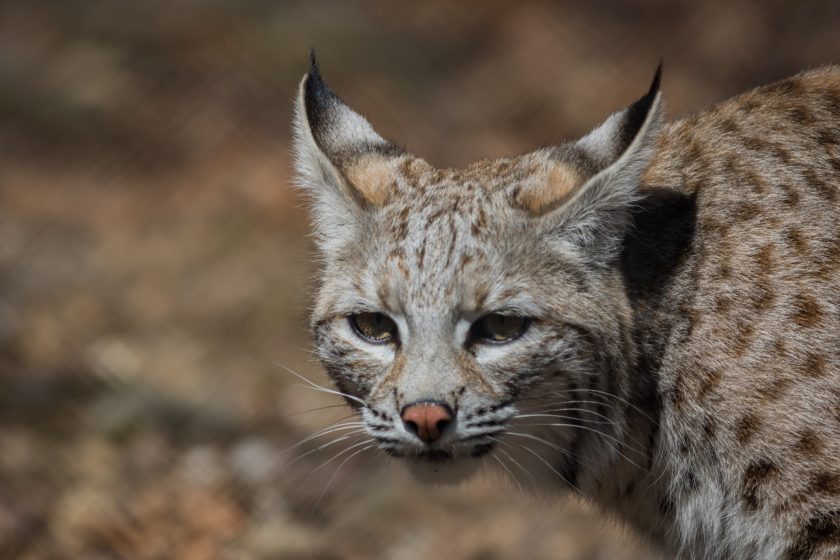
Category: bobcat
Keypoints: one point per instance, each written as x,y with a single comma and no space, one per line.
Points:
648,317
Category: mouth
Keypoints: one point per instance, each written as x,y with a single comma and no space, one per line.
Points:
436,456
439,455
441,466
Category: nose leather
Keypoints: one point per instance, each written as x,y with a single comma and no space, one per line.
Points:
427,420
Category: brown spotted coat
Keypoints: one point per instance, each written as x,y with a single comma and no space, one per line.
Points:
681,366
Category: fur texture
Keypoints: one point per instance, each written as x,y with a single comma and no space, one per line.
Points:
681,362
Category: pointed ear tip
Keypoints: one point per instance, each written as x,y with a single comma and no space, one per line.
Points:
657,78
314,90
313,63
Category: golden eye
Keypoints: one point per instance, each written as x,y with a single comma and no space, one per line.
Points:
500,328
374,327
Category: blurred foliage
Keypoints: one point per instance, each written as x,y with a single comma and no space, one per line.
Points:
155,265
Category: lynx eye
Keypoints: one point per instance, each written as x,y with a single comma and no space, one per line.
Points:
499,328
374,327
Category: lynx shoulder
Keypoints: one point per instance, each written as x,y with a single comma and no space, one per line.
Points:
648,316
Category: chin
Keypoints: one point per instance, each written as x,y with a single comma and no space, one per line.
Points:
446,471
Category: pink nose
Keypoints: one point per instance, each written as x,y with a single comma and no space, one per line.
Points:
427,420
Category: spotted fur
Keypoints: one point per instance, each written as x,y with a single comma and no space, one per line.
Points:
682,364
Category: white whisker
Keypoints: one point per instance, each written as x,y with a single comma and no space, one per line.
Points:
325,431
598,432
324,446
340,453
543,461
311,410
510,474
515,462
566,417
329,483
320,387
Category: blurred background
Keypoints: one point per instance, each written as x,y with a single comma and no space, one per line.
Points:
155,268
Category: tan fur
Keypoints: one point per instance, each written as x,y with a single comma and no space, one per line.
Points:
548,189
372,177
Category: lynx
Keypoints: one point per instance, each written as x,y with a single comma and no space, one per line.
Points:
648,317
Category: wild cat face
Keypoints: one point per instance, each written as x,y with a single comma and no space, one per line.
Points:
457,307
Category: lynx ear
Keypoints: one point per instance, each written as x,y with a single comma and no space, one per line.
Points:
341,161
591,185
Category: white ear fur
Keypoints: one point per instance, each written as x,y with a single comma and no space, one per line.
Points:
595,216
333,145
335,215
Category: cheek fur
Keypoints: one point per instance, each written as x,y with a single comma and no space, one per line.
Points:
352,363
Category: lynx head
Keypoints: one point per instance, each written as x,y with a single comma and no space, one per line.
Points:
461,309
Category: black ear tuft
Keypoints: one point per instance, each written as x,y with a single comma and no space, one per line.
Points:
657,79
313,62
317,94
638,111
